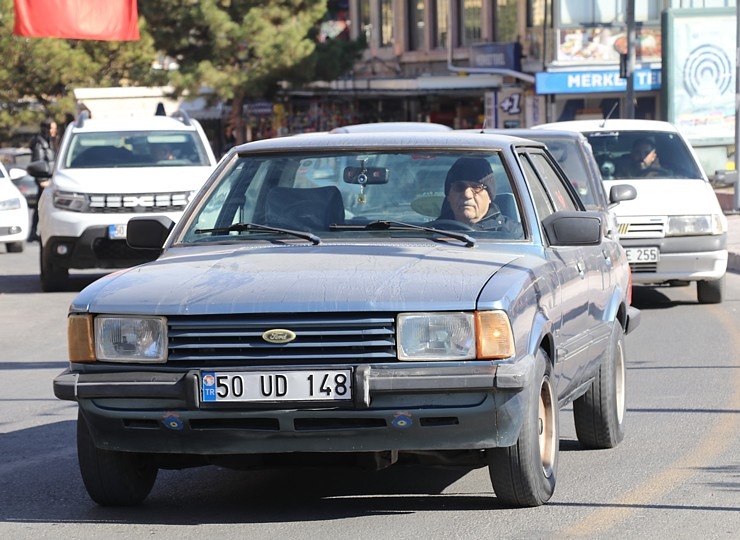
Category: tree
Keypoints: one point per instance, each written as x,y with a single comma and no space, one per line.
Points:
37,75
234,47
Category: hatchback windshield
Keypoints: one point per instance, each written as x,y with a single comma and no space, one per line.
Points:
345,194
135,149
642,154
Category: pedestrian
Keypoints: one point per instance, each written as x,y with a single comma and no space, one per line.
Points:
42,149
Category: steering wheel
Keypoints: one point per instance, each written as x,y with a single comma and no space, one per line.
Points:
450,224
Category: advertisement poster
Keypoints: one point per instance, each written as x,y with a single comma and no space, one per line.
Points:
699,73
604,45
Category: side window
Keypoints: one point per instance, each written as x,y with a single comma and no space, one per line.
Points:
557,189
539,195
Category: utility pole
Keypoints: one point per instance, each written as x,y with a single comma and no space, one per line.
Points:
631,43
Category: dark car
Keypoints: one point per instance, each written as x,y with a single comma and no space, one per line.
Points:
439,295
19,158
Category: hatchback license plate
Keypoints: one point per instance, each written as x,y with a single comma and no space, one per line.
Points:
251,386
643,255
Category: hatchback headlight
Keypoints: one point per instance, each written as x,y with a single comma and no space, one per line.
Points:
695,225
73,202
131,339
454,336
10,204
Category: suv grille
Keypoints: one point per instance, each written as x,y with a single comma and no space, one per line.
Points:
138,202
320,338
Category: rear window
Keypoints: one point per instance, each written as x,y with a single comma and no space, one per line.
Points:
135,149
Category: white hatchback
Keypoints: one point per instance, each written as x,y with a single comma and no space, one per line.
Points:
13,214
674,232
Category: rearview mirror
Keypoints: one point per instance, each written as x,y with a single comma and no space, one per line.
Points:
366,175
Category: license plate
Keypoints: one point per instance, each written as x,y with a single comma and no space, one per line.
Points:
117,232
641,255
255,386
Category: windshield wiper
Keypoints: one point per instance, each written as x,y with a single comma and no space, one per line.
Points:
245,226
400,225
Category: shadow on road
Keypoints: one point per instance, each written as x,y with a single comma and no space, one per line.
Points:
30,283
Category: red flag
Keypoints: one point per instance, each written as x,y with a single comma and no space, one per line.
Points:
107,20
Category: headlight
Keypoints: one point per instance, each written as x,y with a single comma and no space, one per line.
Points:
454,336
131,339
73,202
695,225
10,204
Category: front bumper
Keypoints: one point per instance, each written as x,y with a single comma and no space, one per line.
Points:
94,250
411,407
690,258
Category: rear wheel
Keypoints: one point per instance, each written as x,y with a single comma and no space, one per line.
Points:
710,292
54,278
14,247
524,474
599,413
112,478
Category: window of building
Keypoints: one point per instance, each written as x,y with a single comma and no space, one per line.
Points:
366,26
386,23
416,24
591,12
441,11
507,29
470,21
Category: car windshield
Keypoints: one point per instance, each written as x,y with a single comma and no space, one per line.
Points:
345,194
642,154
135,149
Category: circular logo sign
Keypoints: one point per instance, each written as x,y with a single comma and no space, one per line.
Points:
278,336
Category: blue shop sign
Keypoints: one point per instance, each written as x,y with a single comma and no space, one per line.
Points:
496,55
586,82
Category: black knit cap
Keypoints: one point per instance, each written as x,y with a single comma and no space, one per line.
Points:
471,169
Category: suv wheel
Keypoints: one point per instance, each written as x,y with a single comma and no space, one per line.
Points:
54,278
14,247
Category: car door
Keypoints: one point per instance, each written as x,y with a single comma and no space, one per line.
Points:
573,338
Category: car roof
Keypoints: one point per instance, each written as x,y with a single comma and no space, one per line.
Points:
529,133
378,127
447,140
139,123
621,124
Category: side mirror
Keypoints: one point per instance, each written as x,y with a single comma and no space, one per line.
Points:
39,169
148,232
568,228
621,192
16,173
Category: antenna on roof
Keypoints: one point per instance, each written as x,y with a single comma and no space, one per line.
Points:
483,127
610,113
160,110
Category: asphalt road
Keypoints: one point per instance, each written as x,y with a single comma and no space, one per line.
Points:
676,475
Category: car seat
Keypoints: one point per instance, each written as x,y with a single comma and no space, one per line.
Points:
309,209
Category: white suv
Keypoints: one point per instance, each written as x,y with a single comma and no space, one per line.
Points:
108,171
674,232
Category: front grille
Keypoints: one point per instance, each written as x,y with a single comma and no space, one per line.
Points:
644,267
320,338
648,228
138,202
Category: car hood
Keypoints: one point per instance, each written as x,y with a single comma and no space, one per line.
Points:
667,197
132,180
325,278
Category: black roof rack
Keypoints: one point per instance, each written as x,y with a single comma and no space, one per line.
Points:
182,116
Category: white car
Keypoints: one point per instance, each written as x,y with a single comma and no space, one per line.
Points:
108,171
14,223
674,232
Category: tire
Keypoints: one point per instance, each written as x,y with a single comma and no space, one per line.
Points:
710,292
524,475
599,413
112,478
53,278
14,247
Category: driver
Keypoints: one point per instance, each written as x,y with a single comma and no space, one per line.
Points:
469,192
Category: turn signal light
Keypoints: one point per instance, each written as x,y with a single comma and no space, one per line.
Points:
494,336
80,338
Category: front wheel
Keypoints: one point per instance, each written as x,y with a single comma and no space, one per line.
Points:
524,474
14,247
710,292
54,278
599,413
112,478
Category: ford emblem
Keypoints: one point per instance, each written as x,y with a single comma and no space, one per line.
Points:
278,336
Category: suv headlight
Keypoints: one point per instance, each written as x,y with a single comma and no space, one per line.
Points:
72,202
454,336
117,339
10,204
695,225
